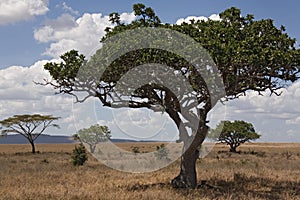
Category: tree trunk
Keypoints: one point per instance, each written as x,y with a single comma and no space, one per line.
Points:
92,148
32,147
233,148
187,177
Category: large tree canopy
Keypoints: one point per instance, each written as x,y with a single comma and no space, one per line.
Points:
29,126
249,55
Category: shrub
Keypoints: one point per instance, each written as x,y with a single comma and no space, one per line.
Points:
162,152
135,150
79,156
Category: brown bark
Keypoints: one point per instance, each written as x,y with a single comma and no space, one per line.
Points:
187,177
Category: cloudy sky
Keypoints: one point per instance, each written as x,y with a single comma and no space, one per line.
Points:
34,32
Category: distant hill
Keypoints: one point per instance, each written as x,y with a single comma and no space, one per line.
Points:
42,139
48,139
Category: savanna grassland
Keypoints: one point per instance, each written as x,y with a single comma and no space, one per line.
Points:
260,171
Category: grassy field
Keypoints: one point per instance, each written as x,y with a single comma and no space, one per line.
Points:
260,171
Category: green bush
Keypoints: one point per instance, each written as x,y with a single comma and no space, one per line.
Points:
79,156
135,150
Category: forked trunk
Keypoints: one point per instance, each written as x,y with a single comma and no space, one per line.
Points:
187,177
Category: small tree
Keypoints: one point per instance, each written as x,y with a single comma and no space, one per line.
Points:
93,135
29,126
79,156
235,133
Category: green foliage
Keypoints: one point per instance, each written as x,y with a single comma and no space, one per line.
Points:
29,126
114,18
162,152
79,156
250,55
135,149
146,16
235,133
93,135
64,73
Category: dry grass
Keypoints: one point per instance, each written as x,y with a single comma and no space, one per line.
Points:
260,171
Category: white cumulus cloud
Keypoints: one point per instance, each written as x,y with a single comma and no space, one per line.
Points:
138,124
83,34
20,95
12,11
69,9
272,115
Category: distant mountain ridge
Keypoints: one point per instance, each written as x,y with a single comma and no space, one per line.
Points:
49,139
42,139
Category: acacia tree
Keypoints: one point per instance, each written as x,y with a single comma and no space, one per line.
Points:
29,126
235,133
93,135
249,54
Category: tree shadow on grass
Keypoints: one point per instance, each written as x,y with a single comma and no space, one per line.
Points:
241,187
252,187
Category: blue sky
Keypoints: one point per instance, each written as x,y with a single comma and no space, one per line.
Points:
34,33
17,38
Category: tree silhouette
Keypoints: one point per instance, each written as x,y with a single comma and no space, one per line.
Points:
29,126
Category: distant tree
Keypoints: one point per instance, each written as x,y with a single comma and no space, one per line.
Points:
249,55
93,135
235,133
29,126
